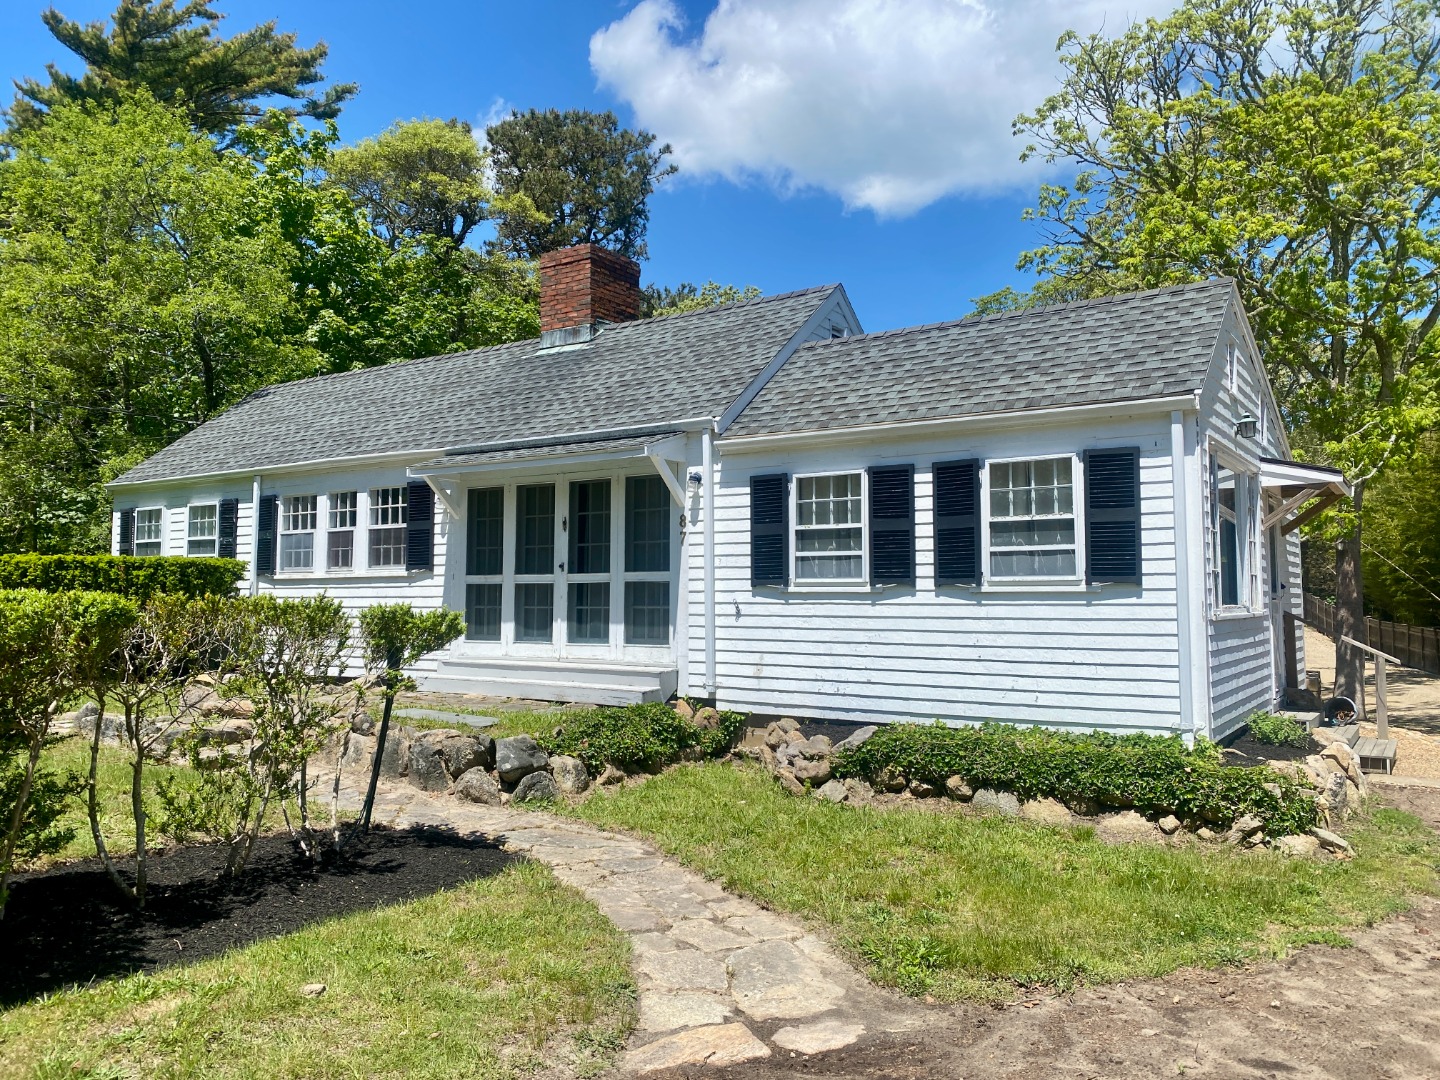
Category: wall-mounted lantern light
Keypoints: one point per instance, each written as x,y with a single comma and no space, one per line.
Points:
1247,427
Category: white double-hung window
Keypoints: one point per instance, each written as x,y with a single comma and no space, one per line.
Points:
830,528
1031,528
150,531
389,512
297,532
340,539
201,529
1234,519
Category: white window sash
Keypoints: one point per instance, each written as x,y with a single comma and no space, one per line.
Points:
862,527
1076,515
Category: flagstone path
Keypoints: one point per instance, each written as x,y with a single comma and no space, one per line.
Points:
722,981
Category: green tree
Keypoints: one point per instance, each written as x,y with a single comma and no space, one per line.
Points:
1402,539
586,180
52,643
664,300
141,291
1290,145
175,55
393,637
417,180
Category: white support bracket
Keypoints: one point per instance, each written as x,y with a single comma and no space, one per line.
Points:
446,491
1290,505
656,452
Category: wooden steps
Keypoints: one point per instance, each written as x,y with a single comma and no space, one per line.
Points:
1376,755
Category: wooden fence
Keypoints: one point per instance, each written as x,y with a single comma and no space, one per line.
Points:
1416,646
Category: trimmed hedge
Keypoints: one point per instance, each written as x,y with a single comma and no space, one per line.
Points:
640,736
138,577
1154,774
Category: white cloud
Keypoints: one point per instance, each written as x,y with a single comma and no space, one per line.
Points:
889,104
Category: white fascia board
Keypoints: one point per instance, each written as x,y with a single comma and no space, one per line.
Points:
357,461
1300,474
1009,418
553,461
836,299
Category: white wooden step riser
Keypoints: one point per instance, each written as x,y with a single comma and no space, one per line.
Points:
579,674
588,694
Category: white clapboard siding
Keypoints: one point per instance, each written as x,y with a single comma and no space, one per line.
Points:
355,590
1242,650
1098,658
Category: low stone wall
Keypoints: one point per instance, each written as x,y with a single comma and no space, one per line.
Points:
803,765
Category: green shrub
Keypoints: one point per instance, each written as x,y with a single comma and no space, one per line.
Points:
137,577
1275,730
1156,774
640,736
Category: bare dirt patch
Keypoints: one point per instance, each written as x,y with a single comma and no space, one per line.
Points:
1323,1012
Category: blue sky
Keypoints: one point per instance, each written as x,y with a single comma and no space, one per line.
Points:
860,141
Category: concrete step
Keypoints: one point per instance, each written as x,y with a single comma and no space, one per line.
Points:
588,681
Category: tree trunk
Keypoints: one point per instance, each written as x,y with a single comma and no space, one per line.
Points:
380,736
93,807
1350,613
17,819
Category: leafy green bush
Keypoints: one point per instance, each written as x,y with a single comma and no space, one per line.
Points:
1156,774
138,577
1275,730
640,736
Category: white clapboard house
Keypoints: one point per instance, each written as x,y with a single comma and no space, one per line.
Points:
1079,516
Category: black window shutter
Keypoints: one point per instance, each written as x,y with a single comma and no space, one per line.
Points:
265,514
126,545
957,522
1112,516
769,525
892,525
420,527
229,520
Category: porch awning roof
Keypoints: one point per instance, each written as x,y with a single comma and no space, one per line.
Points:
611,449
1297,483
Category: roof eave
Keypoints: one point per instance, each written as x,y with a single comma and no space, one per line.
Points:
1188,401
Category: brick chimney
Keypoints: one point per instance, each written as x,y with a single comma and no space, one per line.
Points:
584,285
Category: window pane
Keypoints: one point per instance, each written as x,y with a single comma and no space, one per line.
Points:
202,522
828,500
647,613
1031,534
148,524
199,548
812,540
1229,563
343,507
297,513
485,531
150,547
534,611
647,525
828,567
389,506
1033,564
341,554
297,551
387,547
589,621
535,530
482,612
589,527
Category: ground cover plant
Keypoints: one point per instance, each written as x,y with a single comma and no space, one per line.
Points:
1150,773
962,907
641,736
1273,730
488,979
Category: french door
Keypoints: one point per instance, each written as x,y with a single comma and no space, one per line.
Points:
579,568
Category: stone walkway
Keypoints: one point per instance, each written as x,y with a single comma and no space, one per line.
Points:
722,981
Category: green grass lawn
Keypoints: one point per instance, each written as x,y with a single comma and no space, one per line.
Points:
116,821
965,907
495,979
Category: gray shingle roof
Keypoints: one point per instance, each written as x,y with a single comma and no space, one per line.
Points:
1120,348
655,371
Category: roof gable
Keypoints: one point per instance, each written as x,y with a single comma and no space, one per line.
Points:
654,371
1121,348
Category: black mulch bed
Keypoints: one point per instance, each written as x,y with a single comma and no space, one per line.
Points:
70,924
